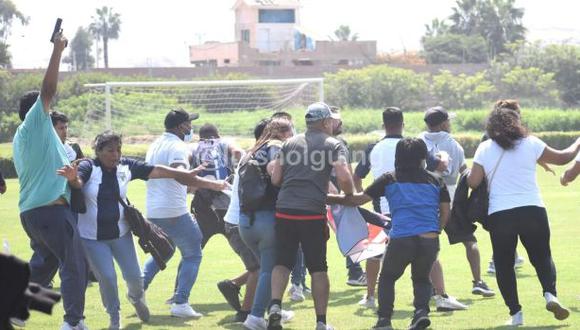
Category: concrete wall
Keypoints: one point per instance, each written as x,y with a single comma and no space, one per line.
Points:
219,52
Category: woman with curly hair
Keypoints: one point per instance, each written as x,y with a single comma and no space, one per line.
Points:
508,160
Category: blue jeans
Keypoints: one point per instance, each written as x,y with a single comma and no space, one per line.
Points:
100,255
186,235
298,275
53,232
260,237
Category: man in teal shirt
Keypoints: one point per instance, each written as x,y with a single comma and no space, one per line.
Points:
45,196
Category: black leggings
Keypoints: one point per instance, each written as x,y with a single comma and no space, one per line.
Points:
530,224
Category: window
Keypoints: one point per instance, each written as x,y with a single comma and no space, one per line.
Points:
246,36
226,61
276,16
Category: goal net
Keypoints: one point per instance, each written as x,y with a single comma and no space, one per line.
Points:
234,106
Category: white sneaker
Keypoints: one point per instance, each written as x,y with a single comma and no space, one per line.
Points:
296,293
447,303
184,310
491,268
80,326
255,323
519,262
368,302
287,316
322,326
17,322
554,306
516,320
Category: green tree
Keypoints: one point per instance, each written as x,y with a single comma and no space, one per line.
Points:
106,26
497,21
8,13
343,33
436,28
80,57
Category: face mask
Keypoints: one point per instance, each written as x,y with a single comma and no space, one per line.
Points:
189,136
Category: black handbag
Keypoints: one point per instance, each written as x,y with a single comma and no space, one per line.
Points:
152,239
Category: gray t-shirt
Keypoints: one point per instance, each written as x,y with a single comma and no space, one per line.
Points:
306,166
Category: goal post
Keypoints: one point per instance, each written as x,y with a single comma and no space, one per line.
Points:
138,108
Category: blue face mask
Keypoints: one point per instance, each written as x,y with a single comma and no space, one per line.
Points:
189,136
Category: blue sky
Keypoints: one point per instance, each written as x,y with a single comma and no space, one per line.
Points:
157,33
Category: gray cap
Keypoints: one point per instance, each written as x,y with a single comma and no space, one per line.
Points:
319,111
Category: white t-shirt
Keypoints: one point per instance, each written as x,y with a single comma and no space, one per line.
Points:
167,198
382,159
233,214
514,183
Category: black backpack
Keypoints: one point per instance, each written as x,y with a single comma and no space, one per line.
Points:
152,238
253,184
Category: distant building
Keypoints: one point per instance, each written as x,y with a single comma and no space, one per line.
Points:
269,33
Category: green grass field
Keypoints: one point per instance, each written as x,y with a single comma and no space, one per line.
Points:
563,204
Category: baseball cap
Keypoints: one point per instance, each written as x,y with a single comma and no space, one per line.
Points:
436,115
178,116
319,111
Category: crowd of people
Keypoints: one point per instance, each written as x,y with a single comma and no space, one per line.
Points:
271,203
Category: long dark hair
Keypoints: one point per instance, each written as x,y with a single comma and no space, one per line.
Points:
504,125
274,130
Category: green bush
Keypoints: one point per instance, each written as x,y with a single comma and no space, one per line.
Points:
461,91
376,87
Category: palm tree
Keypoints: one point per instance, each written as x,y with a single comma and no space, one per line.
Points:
105,26
436,28
465,17
343,33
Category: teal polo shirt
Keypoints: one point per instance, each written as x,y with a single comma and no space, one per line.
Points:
38,153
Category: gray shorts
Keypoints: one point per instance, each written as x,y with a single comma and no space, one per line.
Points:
240,248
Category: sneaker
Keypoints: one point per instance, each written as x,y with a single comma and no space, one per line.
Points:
481,288
184,311
368,302
296,293
322,326
231,292
80,326
275,318
241,316
255,323
140,308
447,303
554,306
519,262
306,289
516,320
17,322
420,320
491,268
383,324
287,316
359,281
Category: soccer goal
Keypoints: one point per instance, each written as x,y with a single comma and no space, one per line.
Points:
138,108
